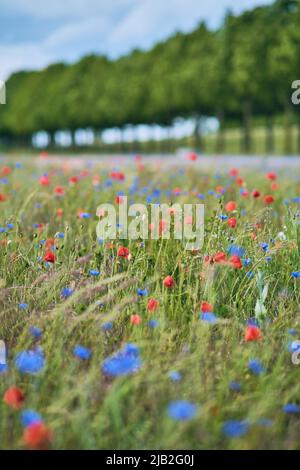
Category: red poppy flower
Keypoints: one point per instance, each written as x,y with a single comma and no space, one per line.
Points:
59,212
6,170
235,262
269,199
117,175
49,257
152,305
59,191
219,189
37,436
135,319
2,197
123,252
192,156
14,397
73,180
274,186
230,206
234,172
239,181
206,307
255,193
232,222
252,333
271,176
44,180
169,282
119,199
220,257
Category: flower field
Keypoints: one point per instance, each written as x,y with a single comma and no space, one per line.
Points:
142,344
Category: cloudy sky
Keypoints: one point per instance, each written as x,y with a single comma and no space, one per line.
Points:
34,33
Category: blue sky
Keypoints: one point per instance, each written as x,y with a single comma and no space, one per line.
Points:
34,33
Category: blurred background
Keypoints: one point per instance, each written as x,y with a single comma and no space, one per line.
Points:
150,76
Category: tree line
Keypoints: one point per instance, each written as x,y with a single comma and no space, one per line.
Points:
241,72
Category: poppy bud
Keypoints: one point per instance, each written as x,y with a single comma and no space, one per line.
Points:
169,282
14,397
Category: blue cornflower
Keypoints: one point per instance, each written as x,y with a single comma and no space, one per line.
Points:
264,247
268,259
235,386
142,292
120,365
107,326
30,362
236,250
291,408
2,229
29,417
252,322
3,368
153,323
296,274
82,353
9,225
182,410
246,262
66,292
235,428
60,235
35,331
256,366
123,362
208,317
94,272
250,274
293,346
85,215
292,331
23,306
223,217
131,349
175,376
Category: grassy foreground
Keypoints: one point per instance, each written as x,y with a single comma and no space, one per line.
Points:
231,368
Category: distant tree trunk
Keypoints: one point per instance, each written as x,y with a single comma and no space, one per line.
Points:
270,142
51,136
73,141
247,121
220,144
288,139
198,141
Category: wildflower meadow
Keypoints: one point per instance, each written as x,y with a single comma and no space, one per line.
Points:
143,344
